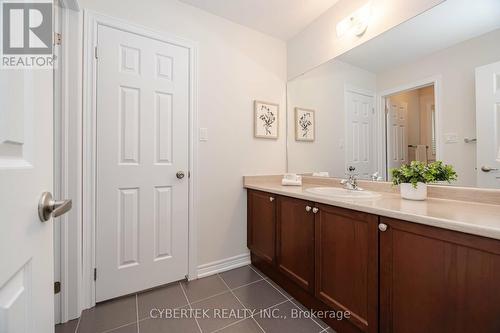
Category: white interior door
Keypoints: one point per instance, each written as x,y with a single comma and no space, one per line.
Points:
397,135
142,142
26,244
360,134
488,125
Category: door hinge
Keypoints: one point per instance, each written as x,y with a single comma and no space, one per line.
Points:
57,287
95,274
189,174
57,38
95,52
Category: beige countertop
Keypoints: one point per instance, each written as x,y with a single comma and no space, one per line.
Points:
470,217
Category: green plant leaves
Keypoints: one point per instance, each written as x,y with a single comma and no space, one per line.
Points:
416,172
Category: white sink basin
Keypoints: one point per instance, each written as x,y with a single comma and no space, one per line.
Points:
342,193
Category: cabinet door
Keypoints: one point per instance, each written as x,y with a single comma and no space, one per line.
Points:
347,264
295,241
261,224
436,280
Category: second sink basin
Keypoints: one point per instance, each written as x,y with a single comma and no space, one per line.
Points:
342,193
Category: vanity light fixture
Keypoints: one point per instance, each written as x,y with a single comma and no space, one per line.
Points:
356,23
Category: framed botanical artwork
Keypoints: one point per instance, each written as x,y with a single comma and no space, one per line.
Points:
304,125
266,120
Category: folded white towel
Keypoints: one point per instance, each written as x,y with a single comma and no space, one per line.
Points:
287,182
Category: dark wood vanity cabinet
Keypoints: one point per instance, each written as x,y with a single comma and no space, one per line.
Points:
392,276
261,225
346,245
295,241
437,280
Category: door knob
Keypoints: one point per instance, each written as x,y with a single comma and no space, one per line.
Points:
382,227
308,208
180,174
315,210
48,207
486,168
271,199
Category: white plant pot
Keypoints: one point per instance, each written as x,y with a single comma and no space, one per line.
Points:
411,193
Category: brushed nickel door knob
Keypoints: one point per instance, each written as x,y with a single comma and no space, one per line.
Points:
315,210
48,207
271,199
308,208
180,174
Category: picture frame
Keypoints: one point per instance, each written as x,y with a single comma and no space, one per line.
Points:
266,120
305,125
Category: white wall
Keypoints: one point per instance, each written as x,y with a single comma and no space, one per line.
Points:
319,43
322,89
455,66
236,66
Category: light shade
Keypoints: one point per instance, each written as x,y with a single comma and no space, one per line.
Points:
356,23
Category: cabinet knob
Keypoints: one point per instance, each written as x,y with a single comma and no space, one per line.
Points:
382,227
308,208
271,199
315,210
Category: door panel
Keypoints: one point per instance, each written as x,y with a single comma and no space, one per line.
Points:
436,280
26,171
360,141
142,141
488,125
397,135
295,241
261,225
347,264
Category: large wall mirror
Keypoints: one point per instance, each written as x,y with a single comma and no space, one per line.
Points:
416,92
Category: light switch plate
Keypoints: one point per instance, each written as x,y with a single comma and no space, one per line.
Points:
203,134
451,138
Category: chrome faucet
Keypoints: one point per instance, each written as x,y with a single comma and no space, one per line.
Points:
351,183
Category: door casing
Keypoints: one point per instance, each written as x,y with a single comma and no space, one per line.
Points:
91,22
382,124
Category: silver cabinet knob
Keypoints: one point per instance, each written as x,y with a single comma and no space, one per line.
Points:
308,208
315,210
48,207
382,227
271,199
486,168
180,174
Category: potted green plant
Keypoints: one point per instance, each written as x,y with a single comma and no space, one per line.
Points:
414,177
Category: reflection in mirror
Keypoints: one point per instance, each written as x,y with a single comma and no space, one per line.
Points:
416,92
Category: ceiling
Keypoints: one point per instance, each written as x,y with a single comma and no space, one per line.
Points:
282,19
447,24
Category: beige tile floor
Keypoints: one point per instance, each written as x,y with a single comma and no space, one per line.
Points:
237,292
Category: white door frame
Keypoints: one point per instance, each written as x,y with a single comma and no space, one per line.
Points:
91,22
350,88
68,224
382,123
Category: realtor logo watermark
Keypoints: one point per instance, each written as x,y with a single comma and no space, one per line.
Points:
27,35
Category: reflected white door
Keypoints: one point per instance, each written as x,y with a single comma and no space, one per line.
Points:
142,142
397,135
488,125
360,133
26,244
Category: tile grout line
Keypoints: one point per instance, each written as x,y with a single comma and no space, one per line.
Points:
312,317
137,311
78,323
240,320
220,277
267,280
190,307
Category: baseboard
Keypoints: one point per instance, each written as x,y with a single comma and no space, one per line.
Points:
223,265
